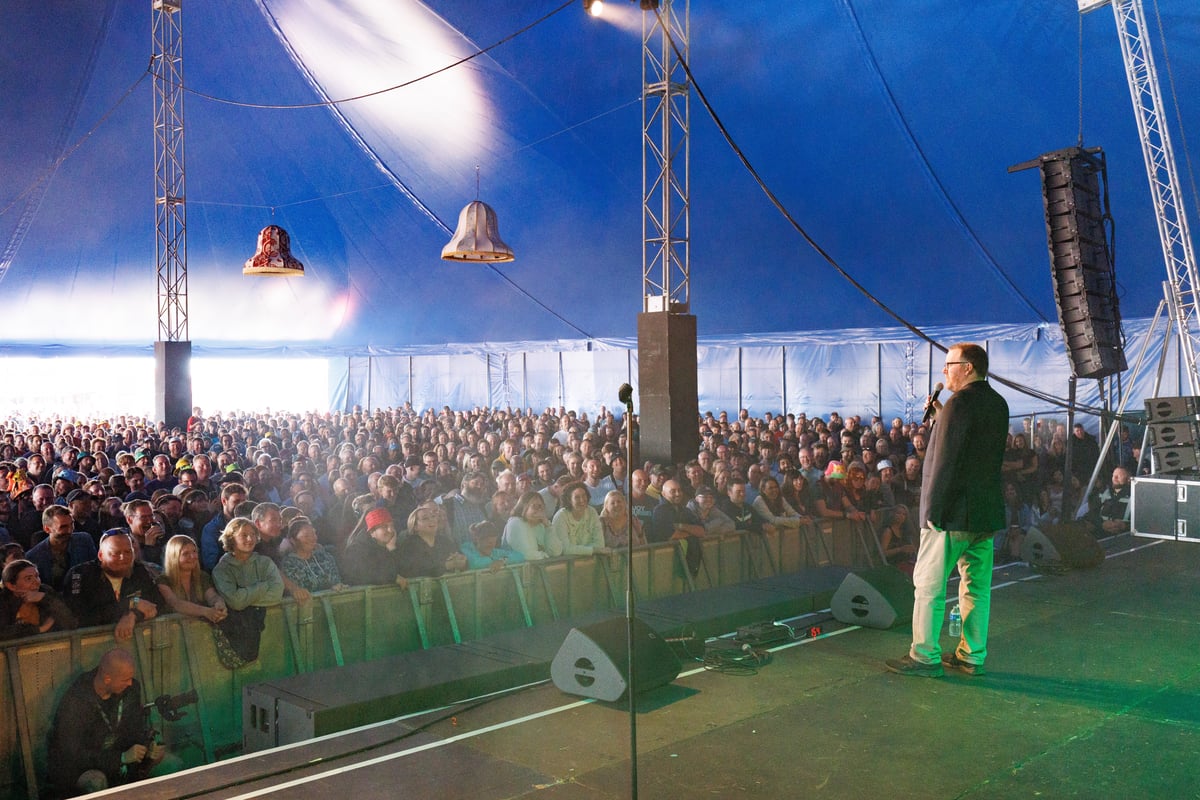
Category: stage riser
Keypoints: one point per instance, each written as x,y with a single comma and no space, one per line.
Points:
298,708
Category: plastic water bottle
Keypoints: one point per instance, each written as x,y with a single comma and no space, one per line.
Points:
955,621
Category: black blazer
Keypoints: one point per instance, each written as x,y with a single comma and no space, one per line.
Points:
961,486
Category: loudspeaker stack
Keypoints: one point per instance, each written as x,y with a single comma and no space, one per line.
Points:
1081,261
1174,434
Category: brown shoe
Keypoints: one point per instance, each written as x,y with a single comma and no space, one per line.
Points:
952,661
906,666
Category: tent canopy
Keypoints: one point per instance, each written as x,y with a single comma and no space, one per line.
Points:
886,129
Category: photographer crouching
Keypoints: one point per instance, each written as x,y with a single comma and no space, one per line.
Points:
101,735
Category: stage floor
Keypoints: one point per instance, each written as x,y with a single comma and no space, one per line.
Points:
1092,691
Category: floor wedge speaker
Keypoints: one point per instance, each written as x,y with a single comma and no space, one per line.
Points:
1036,548
593,661
1070,544
878,598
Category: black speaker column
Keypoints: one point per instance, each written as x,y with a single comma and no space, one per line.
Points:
173,383
1080,261
667,388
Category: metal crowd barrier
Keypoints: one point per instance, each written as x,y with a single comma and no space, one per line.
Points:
175,654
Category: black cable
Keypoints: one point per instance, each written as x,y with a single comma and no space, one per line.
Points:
377,92
779,206
730,657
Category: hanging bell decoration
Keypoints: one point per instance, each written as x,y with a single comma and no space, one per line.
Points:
273,255
477,237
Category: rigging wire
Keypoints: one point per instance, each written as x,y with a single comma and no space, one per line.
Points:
943,192
377,92
383,167
787,215
1187,158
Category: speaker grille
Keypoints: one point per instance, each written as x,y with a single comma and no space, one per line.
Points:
1081,262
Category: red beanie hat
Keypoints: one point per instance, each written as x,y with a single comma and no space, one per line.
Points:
376,517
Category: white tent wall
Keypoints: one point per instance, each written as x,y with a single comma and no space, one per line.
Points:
718,377
886,372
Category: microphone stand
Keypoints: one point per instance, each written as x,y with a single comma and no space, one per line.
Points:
625,394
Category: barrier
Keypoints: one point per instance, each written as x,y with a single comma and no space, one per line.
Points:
175,654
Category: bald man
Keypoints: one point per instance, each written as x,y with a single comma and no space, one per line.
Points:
99,738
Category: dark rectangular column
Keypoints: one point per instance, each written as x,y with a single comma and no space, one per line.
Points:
173,383
668,406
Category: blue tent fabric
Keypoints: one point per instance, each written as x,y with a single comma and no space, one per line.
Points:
885,128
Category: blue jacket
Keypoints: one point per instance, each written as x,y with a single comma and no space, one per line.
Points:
80,550
210,542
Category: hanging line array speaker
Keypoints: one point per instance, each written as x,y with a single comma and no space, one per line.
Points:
1081,261
1075,194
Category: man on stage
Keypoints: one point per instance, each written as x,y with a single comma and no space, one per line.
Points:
962,507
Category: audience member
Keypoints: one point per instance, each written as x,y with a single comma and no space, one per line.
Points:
148,533
773,508
98,739
674,521
527,530
28,606
115,589
232,496
704,506
308,564
484,550
370,558
185,588
896,540
614,522
249,582
1112,504
61,549
427,551
576,526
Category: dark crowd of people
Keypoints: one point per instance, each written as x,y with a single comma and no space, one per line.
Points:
115,522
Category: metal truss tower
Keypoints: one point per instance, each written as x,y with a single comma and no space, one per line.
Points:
1182,279
170,211
172,349
666,271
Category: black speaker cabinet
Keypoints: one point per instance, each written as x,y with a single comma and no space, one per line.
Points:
1071,544
667,391
1175,458
878,598
1167,409
1080,260
173,383
594,660
1174,434
1037,548
1165,508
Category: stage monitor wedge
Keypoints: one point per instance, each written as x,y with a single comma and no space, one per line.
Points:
594,660
877,598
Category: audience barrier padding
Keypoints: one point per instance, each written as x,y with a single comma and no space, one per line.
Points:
175,654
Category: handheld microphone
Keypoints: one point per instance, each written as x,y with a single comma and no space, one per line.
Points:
625,394
929,408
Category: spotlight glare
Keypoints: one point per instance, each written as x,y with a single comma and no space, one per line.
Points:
594,7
